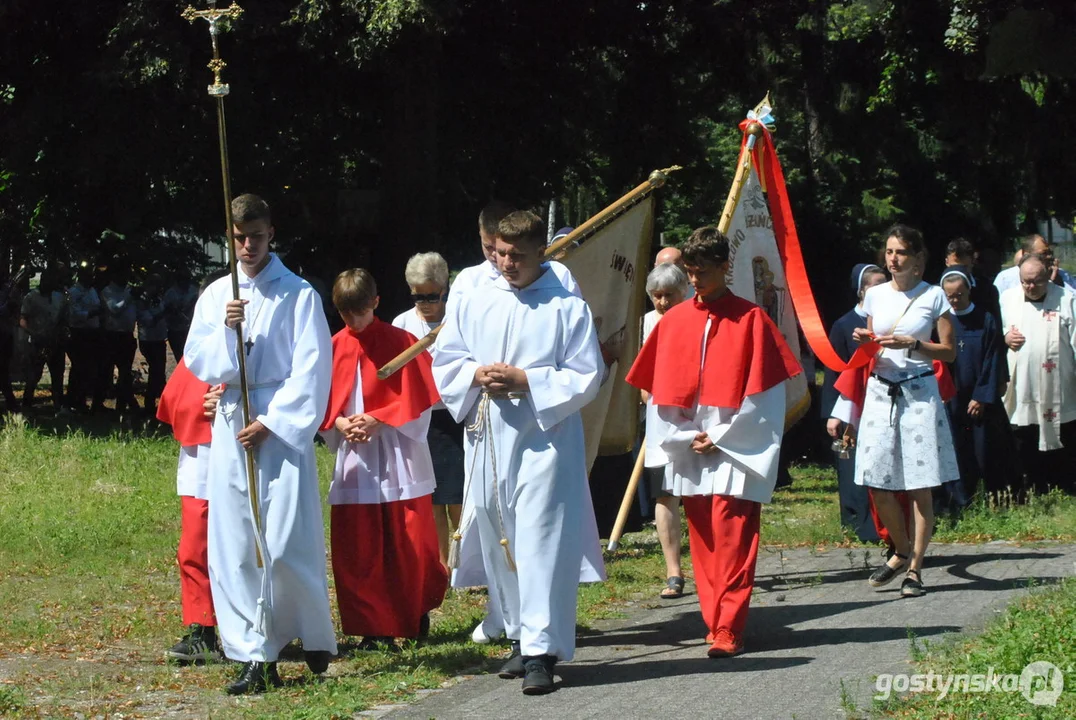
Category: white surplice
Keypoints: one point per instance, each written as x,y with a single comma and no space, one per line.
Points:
538,497
1042,389
748,442
472,571
394,465
192,474
289,369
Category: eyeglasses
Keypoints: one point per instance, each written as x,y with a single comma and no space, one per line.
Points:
429,298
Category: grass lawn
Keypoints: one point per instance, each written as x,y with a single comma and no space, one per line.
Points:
1041,627
88,529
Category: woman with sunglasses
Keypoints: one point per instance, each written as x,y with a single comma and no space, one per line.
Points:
427,276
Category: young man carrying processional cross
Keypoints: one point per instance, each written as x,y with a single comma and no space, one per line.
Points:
289,368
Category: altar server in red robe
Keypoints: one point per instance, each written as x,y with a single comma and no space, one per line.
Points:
385,555
716,368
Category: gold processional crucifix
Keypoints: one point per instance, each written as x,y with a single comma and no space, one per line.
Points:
219,90
214,14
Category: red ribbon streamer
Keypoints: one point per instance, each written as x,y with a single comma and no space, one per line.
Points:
788,245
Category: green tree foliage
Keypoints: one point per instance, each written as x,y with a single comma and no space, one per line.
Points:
378,128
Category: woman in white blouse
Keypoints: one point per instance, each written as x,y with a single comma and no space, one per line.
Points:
904,443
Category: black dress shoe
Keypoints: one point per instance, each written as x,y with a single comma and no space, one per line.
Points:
514,667
538,679
255,677
317,660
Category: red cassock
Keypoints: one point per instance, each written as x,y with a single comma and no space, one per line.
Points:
745,355
385,557
852,383
180,406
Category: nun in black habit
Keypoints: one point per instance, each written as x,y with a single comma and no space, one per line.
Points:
854,499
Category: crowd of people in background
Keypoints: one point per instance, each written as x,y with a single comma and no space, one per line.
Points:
88,326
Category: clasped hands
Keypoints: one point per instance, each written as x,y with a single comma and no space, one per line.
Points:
892,342
500,378
702,444
358,428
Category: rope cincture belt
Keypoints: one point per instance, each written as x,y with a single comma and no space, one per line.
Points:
483,426
895,391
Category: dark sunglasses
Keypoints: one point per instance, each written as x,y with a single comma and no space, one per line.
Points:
430,298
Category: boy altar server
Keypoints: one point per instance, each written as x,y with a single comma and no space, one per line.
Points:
289,365
715,368
518,361
385,554
184,405
471,568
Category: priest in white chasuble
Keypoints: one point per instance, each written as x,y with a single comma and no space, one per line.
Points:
289,370
516,362
1039,320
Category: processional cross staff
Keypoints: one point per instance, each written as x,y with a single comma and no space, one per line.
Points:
219,90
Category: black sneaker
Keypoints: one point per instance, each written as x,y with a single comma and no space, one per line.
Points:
198,646
254,678
514,667
912,585
539,675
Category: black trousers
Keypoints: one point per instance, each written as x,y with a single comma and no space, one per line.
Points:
84,351
1043,470
7,349
39,356
155,353
119,349
177,338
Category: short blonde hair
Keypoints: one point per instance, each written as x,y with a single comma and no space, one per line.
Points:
354,291
427,268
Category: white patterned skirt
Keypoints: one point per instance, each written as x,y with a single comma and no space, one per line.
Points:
906,445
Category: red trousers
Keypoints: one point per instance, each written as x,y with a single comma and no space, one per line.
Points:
723,533
193,557
387,567
905,505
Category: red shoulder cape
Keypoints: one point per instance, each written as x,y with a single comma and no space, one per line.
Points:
745,355
395,401
181,407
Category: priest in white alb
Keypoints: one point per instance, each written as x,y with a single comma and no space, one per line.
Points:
517,362
260,609
1039,321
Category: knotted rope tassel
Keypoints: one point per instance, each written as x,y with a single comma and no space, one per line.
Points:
483,426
